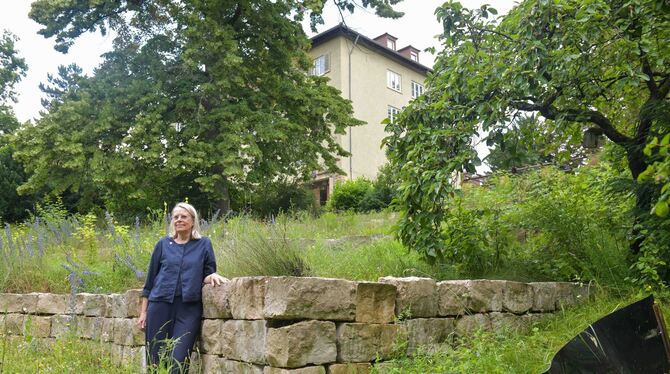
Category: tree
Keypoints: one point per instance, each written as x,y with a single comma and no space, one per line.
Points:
197,97
12,69
575,64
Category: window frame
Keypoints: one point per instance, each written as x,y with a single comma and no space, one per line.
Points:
391,113
326,65
390,82
416,89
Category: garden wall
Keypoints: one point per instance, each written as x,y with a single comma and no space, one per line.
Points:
302,325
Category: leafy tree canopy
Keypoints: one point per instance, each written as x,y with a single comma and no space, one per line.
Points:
197,98
576,64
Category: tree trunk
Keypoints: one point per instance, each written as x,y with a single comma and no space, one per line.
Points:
643,194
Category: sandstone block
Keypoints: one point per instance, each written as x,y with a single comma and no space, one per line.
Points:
244,340
134,357
238,367
428,333
485,295
38,326
216,300
127,333
210,364
569,294
468,324
14,324
133,299
357,368
247,295
415,296
359,342
545,296
302,343
89,327
49,303
62,325
310,298
517,297
118,308
210,336
452,297
93,305
107,330
509,322
375,302
18,303
305,370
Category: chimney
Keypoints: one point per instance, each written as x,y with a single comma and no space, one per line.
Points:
387,40
410,52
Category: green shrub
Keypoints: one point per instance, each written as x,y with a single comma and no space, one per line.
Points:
349,195
272,199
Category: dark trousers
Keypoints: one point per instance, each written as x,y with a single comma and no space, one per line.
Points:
171,330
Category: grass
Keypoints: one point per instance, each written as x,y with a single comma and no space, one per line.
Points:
510,352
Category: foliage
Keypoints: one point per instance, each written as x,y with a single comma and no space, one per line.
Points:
273,198
133,136
384,190
349,194
67,354
659,172
576,64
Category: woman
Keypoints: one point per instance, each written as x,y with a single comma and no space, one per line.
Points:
171,300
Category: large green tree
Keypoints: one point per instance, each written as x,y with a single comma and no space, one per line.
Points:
197,98
576,64
12,175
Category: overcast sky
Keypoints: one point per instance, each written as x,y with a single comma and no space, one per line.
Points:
418,27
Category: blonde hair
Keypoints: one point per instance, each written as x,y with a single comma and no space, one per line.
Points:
195,230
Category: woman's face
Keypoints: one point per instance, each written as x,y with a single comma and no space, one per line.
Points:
183,222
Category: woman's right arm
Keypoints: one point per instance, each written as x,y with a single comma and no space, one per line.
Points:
142,320
154,268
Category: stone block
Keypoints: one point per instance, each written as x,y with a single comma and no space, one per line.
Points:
134,357
106,330
569,294
416,297
545,296
469,324
92,305
517,297
302,343
18,303
247,295
210,336
244,340
62,325
238,367
38,326
291,298
216,300
50,303
452,297
351,368
361,342
305,370
117,306
14,324
485,295
210,364
89,327
127,333
375,302
509,322
428,333
133,299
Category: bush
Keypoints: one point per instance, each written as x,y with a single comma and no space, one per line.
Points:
349,195
279,197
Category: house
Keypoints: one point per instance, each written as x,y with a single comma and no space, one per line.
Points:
379,79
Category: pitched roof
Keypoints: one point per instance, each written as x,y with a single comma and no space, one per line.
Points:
343,30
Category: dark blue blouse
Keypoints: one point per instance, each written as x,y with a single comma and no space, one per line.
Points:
170,262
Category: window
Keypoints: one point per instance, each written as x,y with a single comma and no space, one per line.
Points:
390,43
393,80
321,65
392,113
417,90
414,56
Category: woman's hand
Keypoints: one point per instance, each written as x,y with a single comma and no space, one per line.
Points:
214,279
142,320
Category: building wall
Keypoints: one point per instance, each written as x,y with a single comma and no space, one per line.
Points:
371,98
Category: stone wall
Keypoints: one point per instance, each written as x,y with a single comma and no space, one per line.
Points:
302,325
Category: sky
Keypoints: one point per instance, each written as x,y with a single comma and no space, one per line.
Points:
417,27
